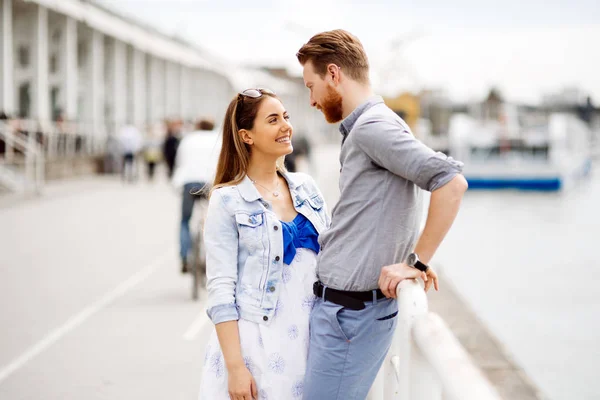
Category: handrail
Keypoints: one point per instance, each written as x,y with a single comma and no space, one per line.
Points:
34,157
425,359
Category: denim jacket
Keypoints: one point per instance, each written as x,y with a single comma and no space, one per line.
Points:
244,247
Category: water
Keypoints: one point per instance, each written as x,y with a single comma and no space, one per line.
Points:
527,264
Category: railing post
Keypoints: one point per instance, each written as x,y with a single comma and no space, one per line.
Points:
393,381
412,303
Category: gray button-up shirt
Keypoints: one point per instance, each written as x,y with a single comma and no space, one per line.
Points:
377,219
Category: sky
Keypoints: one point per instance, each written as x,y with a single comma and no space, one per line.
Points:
526,48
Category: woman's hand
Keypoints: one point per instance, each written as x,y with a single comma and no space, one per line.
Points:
241,384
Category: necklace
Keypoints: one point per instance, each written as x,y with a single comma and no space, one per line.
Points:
273,192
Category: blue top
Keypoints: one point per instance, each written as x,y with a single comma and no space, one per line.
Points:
299,233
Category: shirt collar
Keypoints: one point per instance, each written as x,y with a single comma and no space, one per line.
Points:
348,122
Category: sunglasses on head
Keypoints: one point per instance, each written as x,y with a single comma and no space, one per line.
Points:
255,93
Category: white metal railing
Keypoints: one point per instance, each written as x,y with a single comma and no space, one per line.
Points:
426,361
34,164
60,139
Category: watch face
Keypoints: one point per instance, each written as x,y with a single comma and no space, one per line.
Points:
412,259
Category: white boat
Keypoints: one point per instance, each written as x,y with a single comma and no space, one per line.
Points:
546,153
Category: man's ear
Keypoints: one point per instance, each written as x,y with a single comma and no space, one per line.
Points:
246,136
334,72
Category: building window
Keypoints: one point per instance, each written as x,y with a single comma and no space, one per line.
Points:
23,56
24,101
53,64
56,111
81,54
56,36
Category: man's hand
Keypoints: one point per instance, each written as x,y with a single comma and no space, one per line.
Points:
392,275
431,278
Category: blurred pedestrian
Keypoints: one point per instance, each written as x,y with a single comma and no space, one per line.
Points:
152,156
131,143
170,147
194,170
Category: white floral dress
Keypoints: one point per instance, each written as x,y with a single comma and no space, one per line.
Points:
275,354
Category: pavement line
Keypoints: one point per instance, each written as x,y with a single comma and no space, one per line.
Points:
78,319
198,325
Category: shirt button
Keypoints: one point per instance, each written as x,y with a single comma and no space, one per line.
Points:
265,318
272,288
276,228
277,258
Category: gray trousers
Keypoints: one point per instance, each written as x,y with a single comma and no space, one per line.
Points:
347,348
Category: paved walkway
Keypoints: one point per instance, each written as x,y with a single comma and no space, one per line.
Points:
93,304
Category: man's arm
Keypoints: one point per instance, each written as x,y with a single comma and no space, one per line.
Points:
392,146
443,208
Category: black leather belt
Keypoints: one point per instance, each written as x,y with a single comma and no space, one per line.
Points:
348,299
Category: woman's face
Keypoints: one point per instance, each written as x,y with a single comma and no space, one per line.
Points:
272,131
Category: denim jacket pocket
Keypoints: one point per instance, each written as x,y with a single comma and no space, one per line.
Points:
250,229
316,202
317,206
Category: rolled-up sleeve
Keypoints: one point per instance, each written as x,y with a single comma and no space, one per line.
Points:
392,146
221,241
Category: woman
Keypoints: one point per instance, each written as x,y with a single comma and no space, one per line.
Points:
261,235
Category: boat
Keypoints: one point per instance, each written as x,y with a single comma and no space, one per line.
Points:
523,151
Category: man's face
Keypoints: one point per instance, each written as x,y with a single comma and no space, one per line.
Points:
323,95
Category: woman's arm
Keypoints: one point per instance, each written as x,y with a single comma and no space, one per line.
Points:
221,241
229,339
241,383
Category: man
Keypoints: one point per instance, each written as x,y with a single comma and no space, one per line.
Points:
195,164
374,242
170,146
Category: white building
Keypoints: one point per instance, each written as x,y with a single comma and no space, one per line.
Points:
101,70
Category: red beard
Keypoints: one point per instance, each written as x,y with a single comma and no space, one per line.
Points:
331,107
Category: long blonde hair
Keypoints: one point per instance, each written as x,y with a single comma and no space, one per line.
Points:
235,154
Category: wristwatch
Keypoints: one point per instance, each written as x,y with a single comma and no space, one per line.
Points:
413,261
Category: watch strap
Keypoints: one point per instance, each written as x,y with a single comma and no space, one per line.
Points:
421,267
